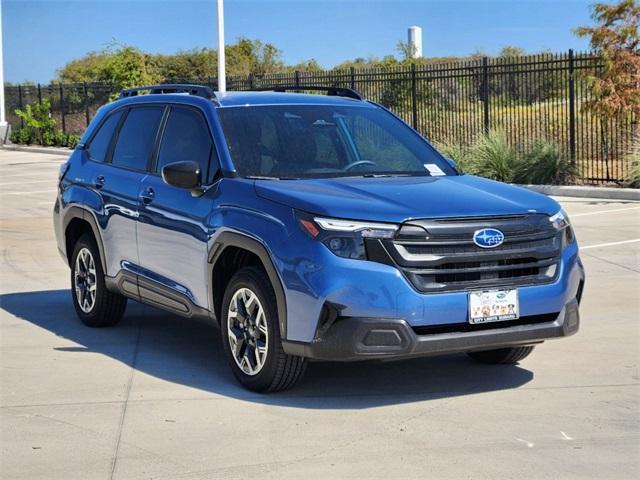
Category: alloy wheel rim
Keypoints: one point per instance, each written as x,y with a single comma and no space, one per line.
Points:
85,280
247,331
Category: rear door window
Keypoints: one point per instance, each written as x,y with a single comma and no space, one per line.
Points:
137,137
186,139
99,146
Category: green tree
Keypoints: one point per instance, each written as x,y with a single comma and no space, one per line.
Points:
127,67
406,50
192,65
511,51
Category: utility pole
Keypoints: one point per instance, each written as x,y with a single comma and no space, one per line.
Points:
222,79
3,120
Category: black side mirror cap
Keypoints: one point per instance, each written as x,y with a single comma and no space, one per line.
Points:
182,175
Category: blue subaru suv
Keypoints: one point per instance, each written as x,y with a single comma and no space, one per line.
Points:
307,227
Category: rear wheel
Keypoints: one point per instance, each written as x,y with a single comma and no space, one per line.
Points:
502,355
95,305
251,334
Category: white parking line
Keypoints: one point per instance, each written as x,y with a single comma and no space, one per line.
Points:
603,211
28,193
611,244
27,182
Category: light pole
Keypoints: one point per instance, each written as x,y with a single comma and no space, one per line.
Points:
222,79
3,121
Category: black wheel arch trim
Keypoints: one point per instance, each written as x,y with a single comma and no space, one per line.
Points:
76,212
255,246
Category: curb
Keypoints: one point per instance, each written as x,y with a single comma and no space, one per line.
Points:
50,150
587,192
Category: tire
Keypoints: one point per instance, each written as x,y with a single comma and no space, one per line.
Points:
104,308
504,356
248,293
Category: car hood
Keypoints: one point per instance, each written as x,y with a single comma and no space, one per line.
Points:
397,199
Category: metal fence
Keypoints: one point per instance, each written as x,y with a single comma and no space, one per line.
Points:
531,98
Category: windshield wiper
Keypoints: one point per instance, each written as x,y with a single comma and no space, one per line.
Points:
267,177
379,175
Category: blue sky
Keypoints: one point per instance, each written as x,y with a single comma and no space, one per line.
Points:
42,35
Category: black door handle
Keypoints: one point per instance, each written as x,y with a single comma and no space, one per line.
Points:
148,195
99,181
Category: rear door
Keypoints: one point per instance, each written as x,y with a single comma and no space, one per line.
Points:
172,226
119,184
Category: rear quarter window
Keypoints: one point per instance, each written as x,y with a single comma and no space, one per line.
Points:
99,147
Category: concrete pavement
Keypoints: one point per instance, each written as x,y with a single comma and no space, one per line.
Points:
154,398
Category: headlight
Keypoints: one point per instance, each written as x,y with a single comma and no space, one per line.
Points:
345,238
560,221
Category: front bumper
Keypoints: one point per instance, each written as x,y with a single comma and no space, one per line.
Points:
350,339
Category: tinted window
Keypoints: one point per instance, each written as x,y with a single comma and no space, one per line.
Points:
186,139
99,147
136,137
307,141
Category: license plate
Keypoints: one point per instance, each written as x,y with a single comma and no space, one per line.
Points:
493,306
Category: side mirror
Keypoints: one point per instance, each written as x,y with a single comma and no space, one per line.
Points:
182,175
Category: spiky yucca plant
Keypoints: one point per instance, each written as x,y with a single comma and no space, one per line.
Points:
544,163
493,157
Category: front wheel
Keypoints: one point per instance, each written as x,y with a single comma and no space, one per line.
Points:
502,355
251,334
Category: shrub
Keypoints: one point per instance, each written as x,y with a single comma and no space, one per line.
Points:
57,138
21,135
544,164
633,175
39,127
38,123
458,153
493,157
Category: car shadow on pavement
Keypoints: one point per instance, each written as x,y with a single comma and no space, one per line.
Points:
189,353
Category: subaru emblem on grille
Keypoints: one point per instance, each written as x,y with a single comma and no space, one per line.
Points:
488,238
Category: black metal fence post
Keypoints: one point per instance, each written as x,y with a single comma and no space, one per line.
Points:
414,97
39,93
572,109
485,94
64,125
20,106
251,81
86,103
297,78
352,72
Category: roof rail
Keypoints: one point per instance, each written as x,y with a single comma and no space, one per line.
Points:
332,91
197,90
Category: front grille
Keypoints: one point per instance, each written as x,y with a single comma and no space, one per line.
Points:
440,255
471,327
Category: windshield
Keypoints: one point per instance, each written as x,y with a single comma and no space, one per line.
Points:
312,141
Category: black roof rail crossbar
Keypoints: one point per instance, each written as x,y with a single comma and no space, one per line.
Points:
333,91
197,90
